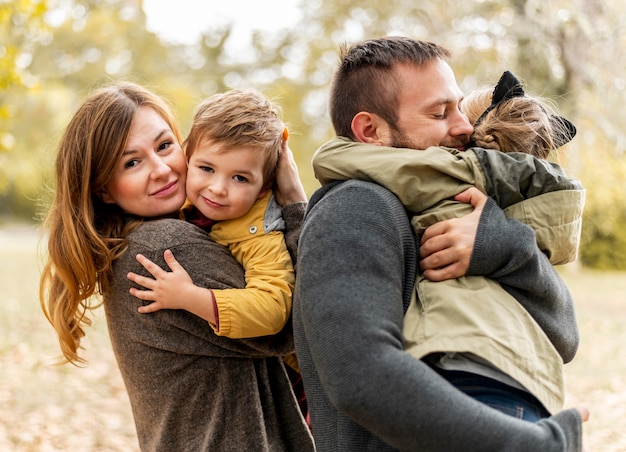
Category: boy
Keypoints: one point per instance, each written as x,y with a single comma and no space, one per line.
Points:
233,149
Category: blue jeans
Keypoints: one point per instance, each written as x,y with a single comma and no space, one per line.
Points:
502,397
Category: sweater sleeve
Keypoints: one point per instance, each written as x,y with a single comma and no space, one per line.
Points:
293,214
505,251
264,305
348,317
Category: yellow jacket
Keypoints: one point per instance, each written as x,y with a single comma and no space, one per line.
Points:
256,241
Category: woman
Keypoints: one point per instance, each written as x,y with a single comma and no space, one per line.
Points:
120,178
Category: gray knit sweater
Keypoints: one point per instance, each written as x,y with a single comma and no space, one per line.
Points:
192,390
356,267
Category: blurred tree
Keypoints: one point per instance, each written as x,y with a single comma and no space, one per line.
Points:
53,53
96,41
21,25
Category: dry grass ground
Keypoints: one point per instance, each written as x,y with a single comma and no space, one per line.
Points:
49,408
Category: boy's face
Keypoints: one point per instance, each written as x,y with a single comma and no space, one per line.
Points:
224,183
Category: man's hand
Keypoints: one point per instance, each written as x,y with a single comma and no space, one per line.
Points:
446,247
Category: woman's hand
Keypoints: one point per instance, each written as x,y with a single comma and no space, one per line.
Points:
446,247
288,187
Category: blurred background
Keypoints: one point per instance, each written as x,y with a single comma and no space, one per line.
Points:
54,52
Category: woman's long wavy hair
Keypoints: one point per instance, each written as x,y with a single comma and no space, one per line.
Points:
85,235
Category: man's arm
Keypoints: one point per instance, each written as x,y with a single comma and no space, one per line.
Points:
350,303
506,251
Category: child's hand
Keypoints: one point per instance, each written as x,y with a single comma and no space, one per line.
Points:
167,289
289,188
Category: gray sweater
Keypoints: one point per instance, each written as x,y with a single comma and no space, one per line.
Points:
356,267
191,390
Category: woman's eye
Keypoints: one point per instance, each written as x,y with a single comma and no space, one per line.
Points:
165,145
131,163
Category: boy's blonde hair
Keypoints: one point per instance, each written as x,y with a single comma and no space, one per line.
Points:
239,118
508,120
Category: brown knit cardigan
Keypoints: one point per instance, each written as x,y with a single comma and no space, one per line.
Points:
191,390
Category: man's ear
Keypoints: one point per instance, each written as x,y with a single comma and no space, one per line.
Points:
370,128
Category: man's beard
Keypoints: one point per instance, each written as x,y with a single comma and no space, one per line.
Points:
400,140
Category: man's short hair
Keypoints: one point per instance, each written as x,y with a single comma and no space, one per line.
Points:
365,79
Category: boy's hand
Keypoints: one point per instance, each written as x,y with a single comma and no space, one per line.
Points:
167,289
288,187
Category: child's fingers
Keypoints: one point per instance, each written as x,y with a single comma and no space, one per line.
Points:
472,196
143,281
153,268
142,294
152,307
171,261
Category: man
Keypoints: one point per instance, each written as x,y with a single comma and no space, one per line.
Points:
357,263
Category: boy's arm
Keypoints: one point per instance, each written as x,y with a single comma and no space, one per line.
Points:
210,266
172,290
264,305
260,309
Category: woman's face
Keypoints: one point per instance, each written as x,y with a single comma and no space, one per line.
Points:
149,178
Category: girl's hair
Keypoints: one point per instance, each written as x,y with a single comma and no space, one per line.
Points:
239,118
476,102
84,234
519,124
507,119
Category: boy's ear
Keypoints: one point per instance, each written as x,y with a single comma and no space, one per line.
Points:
263,193
370,128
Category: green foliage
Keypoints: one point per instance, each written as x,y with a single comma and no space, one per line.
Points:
603,241
21,24
603,245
